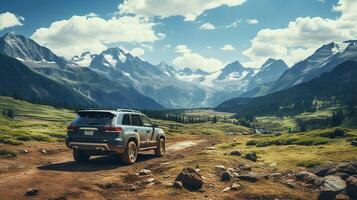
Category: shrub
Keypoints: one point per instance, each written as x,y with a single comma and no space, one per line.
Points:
334,134
308,163
251,143
7,153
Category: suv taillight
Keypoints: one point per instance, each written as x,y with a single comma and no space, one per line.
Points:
71,128
113,129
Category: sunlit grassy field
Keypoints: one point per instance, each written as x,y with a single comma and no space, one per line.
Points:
32,122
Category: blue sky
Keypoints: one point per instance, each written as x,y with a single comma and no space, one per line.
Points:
172,32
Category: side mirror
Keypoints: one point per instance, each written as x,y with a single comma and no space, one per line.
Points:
155,125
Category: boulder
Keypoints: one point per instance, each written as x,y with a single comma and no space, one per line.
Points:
251,156
352,186
349,168
190,179
236,153
226,176
320,170
32,192
251,177
331,186
144,172
309,178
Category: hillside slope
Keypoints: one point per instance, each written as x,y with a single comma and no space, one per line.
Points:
340,83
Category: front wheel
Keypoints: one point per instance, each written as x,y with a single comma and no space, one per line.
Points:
80,156
130,154
160,149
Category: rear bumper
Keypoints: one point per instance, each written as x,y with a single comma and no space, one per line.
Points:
100,147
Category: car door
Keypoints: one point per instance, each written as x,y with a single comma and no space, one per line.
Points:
138,127
149,130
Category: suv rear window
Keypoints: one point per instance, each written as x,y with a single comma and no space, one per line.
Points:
93,118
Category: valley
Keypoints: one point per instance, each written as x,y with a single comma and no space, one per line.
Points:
36,164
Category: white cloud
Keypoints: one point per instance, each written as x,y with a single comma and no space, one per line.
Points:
252,21
303,35
91,33
207,26
137,52
166,8
9,19
195,61
227,47
234,24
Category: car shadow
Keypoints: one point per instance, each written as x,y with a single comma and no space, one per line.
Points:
94,164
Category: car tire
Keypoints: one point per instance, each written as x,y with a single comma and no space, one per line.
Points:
80,156
130,154
161,148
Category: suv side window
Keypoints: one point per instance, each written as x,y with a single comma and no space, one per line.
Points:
126,119
135,120
145,121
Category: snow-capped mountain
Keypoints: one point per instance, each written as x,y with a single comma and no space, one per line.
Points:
270,71
87,85
324,59
84,59
157,82
27,50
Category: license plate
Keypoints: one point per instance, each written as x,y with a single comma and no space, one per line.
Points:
88,132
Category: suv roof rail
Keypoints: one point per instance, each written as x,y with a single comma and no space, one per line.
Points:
128,110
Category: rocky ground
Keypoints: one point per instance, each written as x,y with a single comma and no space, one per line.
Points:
193,168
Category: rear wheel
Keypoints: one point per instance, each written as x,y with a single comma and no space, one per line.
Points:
160,149
80,156
130,154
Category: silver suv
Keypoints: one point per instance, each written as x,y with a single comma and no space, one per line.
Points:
122,131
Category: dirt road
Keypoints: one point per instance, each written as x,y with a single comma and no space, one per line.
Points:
57,176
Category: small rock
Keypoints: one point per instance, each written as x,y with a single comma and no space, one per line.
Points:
177,185
251,156
144,172
32,192
220,169
167,176
190,179
210,148
43,151
251,177
235,186
201,190
331,186
226,176
25,151
236,153
276,176
150,180
169,185
342,197
352,186
226,189
290,183
132,188
354,143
